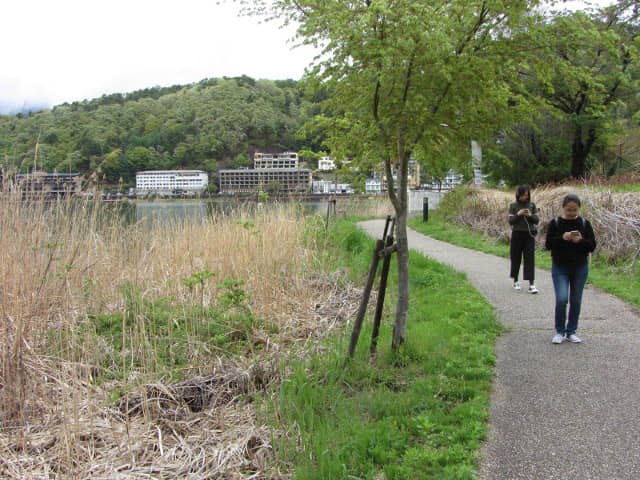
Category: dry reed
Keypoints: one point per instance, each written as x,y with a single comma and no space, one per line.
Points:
615,216
62,261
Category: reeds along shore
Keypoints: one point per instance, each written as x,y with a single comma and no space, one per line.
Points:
61,262
65,263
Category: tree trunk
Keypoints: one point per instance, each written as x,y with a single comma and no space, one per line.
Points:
580,150
402,308
578,156
401,204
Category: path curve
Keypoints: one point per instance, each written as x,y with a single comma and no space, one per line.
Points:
558,412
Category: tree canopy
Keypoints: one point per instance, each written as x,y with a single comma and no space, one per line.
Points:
407,78
585,76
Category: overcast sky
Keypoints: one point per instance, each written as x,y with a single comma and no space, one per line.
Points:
56,51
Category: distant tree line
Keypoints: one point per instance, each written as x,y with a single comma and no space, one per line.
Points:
215,123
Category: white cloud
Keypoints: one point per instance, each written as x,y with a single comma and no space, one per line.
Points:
69,50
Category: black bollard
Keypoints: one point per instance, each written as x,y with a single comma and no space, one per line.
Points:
425,209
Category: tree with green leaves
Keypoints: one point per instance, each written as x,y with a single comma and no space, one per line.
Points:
406,77
592,58
584,71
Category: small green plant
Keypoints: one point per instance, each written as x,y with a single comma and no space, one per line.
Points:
198,279
248,226
232,296
156,336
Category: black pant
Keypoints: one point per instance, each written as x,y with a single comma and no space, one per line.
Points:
522,246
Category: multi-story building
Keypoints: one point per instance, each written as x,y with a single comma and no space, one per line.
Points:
413,176
450,180
275,160
373,186
326,163
277,171
170,182
329,187
48,184
288,180
476,154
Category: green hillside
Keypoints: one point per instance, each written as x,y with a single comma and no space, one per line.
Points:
215,123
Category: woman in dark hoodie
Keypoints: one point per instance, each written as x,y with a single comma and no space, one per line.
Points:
570,239
523,218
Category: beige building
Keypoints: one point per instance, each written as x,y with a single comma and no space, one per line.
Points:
275,160
278,170
290,180
413,176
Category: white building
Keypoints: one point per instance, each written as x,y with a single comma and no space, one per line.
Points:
326,163
169,182
329,187
451,179
373,185
476,154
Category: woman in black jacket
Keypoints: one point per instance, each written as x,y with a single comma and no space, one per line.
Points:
523,218
570,239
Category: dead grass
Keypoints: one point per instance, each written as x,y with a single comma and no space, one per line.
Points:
58,263
615,216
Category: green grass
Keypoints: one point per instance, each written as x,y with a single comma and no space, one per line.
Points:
621,280
624,187
157,337
418,413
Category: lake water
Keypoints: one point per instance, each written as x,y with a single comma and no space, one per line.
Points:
166,210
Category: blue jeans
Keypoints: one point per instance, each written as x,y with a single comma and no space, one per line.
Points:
568,283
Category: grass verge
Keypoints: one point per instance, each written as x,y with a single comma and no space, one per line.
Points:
417,413
622,280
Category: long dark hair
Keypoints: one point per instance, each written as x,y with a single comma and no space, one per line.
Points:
522,189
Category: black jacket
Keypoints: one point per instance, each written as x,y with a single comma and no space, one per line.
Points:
565,252
521,223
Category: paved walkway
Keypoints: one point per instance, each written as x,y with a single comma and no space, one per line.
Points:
558,412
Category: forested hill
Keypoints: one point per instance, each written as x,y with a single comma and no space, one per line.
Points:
216,123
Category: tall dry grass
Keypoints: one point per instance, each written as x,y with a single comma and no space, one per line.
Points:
61,262
615,216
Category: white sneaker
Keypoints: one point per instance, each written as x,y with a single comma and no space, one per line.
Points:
533,289
559,338
516,286
573,338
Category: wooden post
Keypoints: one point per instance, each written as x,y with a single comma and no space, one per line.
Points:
328,215
331,203
335,215
382,289
357,324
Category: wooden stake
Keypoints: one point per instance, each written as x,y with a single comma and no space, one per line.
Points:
357,324
382,289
